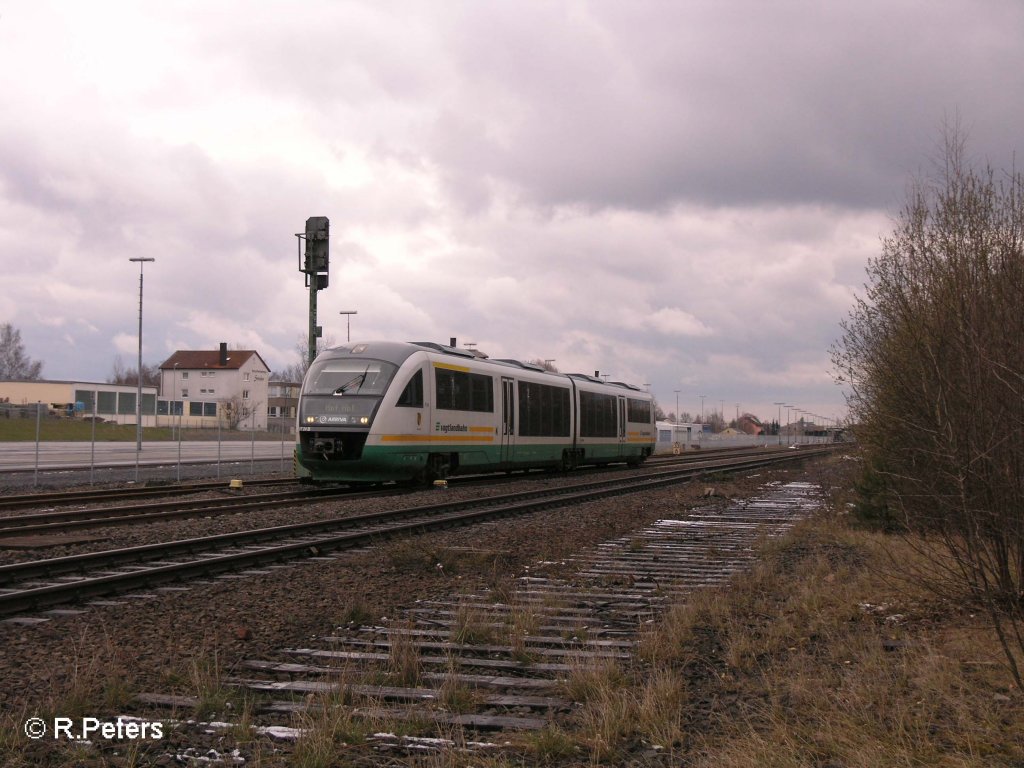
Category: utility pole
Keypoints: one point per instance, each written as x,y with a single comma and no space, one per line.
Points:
138,394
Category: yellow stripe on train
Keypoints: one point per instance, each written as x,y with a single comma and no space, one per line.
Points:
437,438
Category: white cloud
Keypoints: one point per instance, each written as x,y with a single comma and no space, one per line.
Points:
673,321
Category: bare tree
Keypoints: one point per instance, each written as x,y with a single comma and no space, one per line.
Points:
297,370
122,375
14,363
547,365
234,410
933,359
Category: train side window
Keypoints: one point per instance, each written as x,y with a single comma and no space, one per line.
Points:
639,411
598,417
463,391
543,410
412,395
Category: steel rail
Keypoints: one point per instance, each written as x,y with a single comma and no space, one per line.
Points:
56,522
49,498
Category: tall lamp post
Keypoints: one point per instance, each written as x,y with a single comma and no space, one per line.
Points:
174,389
138,394
779,430
348,322
677,405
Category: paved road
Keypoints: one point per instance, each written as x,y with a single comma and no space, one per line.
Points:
20,457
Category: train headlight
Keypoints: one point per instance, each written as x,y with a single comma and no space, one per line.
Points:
364,420
311,419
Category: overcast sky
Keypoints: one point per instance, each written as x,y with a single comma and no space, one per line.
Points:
680,194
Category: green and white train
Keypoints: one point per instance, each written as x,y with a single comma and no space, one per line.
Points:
388,411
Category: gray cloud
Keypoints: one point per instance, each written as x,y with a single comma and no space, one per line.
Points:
676,193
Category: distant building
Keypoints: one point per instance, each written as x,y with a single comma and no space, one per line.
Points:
750,424
112,402
204,388
282,406
684,435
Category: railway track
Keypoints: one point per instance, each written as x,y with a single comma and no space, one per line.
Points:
39,584
88,496
72,520
62,498
59,521
480,663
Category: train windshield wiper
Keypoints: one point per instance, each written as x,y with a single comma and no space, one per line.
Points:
359,377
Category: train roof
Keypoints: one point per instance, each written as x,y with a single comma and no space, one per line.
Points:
595,380
398,352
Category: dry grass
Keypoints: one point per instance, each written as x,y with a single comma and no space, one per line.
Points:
329,725
404,666
473,626
820,656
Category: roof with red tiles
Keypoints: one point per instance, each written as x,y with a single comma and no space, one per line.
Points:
201,359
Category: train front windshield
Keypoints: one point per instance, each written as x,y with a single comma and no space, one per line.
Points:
344,391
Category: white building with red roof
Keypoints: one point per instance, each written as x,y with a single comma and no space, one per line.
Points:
200,387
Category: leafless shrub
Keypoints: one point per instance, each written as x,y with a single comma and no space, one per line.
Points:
935,364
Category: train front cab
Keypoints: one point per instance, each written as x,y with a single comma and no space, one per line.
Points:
342,396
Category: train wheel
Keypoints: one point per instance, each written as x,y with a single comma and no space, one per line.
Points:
437,468
568,461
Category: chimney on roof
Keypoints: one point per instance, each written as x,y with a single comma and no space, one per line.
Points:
452,344
223,353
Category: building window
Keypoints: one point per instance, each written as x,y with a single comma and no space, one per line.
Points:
184,374
107,402
245,394
245,377
184,393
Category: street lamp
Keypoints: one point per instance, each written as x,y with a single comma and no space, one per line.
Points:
779,430
174,388
702,411
348,322
138,394
677,405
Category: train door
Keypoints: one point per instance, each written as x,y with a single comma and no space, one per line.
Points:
508,419
622,426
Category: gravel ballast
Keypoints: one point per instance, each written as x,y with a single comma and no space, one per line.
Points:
91,663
